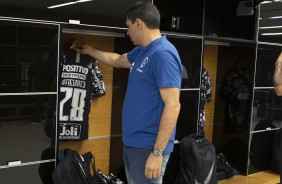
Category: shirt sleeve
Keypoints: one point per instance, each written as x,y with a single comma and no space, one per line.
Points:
168,73
131,56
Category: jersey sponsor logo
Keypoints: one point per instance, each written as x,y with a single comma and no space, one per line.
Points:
75,68
144,62
139,70
74,76
70,131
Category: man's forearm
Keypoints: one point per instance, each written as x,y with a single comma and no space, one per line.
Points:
109,58
104,57
167,125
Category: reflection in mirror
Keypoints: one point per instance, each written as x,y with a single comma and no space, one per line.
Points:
267,110
28,62
234,85
270,22
189,50
26,127
31,174
266,58
28,57
188,116
261,154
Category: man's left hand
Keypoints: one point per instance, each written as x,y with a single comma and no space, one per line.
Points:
153,166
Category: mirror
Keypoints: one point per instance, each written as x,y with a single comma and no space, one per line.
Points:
270,22
28,91
189,50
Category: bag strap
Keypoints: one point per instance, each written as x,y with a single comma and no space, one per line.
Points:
87,158
63,153
81,168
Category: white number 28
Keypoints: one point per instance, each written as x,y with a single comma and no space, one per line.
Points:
77,104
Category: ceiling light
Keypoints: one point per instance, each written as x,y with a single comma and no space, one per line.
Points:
276,17
69,3
81,1
265,2
270,27
269,34
59,5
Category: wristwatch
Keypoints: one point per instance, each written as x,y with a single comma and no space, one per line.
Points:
157,152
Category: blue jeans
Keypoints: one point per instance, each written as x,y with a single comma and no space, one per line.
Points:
134,163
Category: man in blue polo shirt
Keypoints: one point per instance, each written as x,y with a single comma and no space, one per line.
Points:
151,104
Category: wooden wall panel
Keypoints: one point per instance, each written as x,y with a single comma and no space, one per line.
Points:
100,114
210,64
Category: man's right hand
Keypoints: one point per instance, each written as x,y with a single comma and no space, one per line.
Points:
81,47
108,58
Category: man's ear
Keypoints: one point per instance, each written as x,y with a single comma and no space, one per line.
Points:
139,23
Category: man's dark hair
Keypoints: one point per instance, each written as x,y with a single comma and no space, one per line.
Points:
145,11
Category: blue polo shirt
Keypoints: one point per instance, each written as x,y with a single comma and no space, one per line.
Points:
154,66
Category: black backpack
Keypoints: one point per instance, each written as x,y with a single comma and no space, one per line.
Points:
73,168
261,145
223,169
197,161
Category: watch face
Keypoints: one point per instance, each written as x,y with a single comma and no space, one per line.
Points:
157,152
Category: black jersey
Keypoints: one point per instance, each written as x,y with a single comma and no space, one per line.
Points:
80,81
